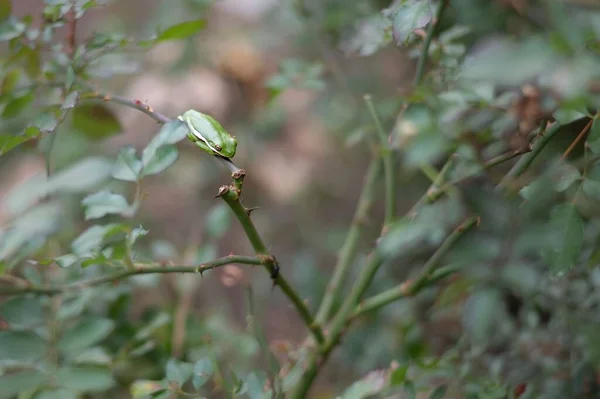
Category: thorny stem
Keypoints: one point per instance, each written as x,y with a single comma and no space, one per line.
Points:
349,309
349,250
388,166
113,277
135,104
232,197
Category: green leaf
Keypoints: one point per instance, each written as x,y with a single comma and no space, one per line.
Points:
431,225
17,105
71,100
91,240
9,83
14,384
564,249
136,233
254,386
510,62
5,9
8,142
160,153
66,260
179,372
58,393
593,139
591,184
104,203
369,385
481,313
141,389
203,370
439,392
21,346
46,122
566,116
85,378
410,390
11,28
410,16
85,334
96,121
398,376
23,312
81,176
128,166
218,221
164,157
159,321
564,174
36,224
181,31
93,356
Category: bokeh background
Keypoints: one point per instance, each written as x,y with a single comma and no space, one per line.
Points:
291,89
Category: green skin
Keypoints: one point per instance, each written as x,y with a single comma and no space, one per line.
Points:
208,134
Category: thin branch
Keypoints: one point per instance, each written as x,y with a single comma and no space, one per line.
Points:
528,158
135,104
77,286
319,357
428,276
403,290
388,166
431,31
577,139
231,195
349,307
437,182
72,30
350,248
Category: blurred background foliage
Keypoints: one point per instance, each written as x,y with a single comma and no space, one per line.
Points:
288,78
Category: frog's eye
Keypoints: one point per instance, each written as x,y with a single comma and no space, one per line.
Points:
218,147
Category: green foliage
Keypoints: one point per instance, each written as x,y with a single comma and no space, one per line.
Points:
500,121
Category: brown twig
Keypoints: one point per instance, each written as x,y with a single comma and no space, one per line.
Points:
71,32
577,139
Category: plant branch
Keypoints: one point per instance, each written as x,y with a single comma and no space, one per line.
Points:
148,110
431,31
318,357
401,291
577,139
349,307
53,290
433,193
231,195
135,104
350,248
436,184
388,166
537,147
427,277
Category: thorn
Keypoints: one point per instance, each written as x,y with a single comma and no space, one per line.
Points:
250,210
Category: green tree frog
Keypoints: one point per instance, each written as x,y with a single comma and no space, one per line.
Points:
208,134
